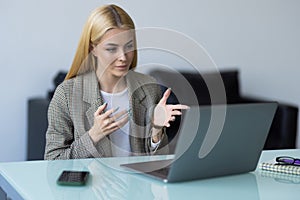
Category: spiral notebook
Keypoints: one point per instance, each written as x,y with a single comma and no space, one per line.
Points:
280,168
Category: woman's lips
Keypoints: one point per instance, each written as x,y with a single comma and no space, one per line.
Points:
122,67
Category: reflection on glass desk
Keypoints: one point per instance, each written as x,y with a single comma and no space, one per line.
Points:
37,180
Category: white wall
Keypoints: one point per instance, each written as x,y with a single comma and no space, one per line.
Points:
38,38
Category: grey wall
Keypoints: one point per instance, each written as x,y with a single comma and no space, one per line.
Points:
38,38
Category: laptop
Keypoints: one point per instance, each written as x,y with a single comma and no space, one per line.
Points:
215,140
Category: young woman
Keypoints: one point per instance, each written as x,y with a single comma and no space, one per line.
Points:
104,108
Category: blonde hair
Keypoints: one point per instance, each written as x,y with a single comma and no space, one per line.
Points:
99,22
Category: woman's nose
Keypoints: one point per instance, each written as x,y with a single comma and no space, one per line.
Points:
122,55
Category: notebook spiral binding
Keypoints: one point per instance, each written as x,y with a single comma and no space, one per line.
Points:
287,169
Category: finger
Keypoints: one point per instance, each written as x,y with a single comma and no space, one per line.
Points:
173,118
178,106
100,109
109,112
120,114
120,123
117,124
108,121
165,97
115,110
176,112
110,130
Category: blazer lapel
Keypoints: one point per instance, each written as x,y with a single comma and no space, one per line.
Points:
137,100
92,96
139,112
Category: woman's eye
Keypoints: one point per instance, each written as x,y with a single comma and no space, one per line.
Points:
111,50
129,47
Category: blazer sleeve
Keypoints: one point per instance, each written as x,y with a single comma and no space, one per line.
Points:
60,142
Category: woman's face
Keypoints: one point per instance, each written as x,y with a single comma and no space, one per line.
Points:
115,52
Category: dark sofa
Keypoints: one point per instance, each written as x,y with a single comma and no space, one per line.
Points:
281,136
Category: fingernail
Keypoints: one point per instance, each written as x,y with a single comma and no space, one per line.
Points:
117,108
105,103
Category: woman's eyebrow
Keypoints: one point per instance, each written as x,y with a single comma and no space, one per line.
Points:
115,45
111,44
129,42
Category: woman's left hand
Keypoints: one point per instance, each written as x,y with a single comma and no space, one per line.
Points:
164,113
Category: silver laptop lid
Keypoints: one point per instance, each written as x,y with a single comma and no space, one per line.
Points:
221,140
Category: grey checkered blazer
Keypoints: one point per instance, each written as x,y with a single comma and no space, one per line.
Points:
71,115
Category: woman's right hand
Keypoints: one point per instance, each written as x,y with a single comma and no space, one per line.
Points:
107,122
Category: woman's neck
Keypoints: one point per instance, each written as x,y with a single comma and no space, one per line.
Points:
112,84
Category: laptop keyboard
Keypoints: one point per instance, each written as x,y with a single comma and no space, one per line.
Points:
163,172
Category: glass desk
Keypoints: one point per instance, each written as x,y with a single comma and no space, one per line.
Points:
36,180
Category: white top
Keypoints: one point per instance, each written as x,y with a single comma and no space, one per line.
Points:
120,138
